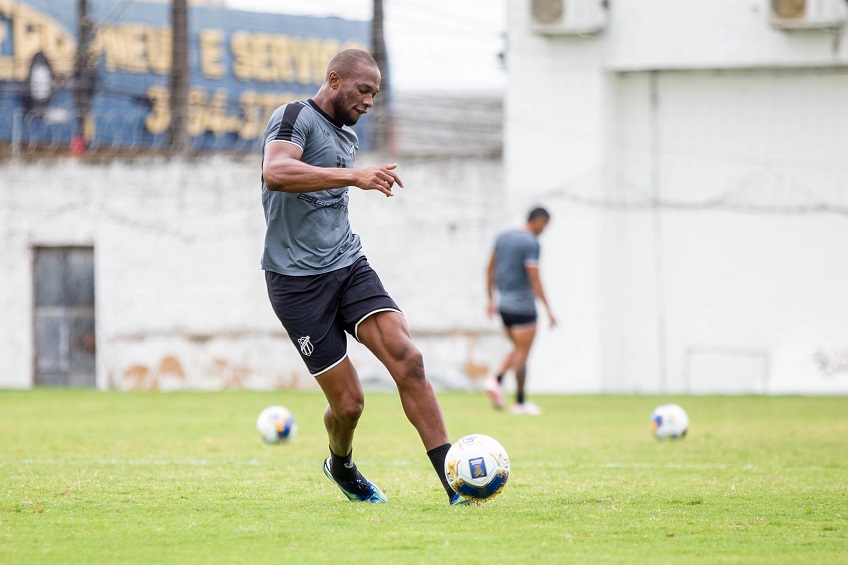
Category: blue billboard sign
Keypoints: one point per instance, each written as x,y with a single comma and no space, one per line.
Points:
243,65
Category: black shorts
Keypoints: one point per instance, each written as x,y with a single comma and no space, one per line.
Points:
317,310
517,320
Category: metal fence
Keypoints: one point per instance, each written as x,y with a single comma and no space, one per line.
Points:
421,123
111,133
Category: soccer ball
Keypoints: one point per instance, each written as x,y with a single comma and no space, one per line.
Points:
669,421
477,467
276,425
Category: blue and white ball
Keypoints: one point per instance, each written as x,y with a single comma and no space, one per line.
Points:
477,467
276,424
669,421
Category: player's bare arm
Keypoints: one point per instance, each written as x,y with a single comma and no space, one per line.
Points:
490,285
283,170
539,291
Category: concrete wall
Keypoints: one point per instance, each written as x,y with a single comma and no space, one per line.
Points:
693,157
180,297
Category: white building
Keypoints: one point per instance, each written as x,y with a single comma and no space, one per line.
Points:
694,157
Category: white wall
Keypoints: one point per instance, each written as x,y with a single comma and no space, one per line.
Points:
720,34
693,157
180,297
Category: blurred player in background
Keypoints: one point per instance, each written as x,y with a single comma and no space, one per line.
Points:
513,275
320,283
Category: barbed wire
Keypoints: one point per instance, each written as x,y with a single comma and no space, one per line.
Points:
746,196
423,124
110,133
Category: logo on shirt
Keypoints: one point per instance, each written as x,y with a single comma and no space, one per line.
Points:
323,203
306,346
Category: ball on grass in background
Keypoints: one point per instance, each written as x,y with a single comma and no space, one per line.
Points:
669,421
477,467
276,424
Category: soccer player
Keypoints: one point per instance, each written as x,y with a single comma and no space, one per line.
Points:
320,283
513,271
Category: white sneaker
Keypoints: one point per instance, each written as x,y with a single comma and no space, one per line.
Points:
527,408
495,393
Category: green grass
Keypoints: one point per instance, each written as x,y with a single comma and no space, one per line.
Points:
88,477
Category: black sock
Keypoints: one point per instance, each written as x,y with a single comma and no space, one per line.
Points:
519,397
342,466
500,378
437,458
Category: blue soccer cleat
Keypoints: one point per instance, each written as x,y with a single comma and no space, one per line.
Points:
457,499
359,490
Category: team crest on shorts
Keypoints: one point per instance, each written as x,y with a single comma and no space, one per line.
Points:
306,346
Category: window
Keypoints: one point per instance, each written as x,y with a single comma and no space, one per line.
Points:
64,316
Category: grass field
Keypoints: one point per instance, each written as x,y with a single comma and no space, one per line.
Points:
90,477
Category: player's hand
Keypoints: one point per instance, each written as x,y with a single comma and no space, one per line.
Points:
381,178
552,319
490,308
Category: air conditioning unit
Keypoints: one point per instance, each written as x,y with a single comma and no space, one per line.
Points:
808,14
568,17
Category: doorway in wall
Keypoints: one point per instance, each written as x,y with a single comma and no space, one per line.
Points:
64,338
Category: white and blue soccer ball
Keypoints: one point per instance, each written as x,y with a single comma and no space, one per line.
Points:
477,467
669,421
276,424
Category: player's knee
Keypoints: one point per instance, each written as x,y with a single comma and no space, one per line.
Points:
517,362
414,360
349,411
519,358
410,365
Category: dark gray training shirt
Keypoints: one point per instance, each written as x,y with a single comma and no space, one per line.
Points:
514,251
309,233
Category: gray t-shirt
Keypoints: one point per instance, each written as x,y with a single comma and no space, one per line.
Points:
515,250
309,233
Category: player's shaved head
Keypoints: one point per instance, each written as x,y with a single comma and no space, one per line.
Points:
353,80
348,61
